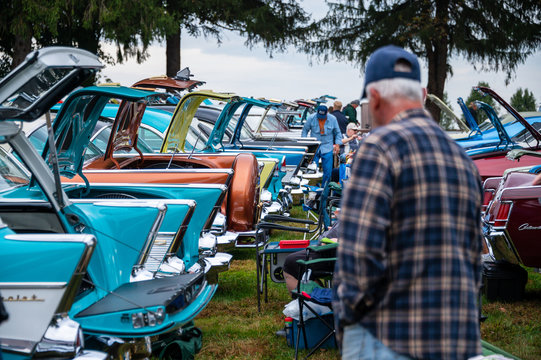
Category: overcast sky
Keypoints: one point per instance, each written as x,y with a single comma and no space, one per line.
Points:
232,67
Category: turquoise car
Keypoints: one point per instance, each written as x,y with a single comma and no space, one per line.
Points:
147,274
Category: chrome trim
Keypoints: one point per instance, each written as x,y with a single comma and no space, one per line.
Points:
136,202
217,206
501,247
91,355
493,221
275,145
179,236
23,200
180,155
151,237
16,345
88,239
232,151
60,339
153,185
32,285
201,170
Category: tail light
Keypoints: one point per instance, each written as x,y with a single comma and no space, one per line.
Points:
488,195
283,168
503,214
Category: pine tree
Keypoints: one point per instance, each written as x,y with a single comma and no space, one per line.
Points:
493,35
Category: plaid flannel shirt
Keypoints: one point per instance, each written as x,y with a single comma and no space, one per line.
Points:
409,259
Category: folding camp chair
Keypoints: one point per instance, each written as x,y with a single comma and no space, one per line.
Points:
315,204
272,251
321,296
313,227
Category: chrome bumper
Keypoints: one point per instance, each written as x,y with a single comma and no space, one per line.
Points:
500,246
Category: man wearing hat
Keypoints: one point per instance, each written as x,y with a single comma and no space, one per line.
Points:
408,264
324,128
350,111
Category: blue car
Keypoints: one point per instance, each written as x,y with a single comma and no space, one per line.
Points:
497,135
131,290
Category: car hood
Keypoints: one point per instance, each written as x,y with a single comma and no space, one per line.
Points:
535,134
167,83
79,114
175,138
44,77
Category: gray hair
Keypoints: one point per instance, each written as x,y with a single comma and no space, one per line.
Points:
397,88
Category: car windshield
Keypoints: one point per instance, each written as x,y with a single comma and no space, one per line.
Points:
101,139
12,173
272,122
196,136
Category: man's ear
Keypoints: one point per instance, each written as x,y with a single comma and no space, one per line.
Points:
375,100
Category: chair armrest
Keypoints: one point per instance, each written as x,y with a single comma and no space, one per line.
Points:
274,217
322,248
307,263
269,225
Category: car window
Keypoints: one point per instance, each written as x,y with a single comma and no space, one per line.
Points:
12,174
38,138
151,138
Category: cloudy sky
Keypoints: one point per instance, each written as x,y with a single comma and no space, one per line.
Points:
232,67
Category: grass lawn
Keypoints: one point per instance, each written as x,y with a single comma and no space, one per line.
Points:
234,329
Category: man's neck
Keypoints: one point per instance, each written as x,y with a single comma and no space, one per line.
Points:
398,106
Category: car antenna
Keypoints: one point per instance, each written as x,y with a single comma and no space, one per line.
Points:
53,160
272,141
193,148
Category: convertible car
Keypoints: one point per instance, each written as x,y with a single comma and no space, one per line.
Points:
117,296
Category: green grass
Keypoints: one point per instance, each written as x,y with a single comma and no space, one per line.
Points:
234,329
516,326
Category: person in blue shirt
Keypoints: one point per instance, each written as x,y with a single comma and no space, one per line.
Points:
324,127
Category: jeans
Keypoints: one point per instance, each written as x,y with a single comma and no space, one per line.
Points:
359,344
326,164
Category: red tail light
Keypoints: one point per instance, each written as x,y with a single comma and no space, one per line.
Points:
503,214
488,195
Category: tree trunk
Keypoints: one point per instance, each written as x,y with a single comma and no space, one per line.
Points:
21,47
437,51
437,74
172,53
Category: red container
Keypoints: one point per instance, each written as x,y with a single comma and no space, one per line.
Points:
293,244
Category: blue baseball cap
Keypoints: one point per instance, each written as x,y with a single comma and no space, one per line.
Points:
322,112
381,65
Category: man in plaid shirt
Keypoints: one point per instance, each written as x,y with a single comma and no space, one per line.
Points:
409,260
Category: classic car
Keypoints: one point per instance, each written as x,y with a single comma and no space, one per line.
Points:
236,216
302,109
176,137
174,86
512,219
523,133
117,297
238,135
37,293
489,142
238,173
261,117
456,127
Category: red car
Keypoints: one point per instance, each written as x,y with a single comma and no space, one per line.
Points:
512,224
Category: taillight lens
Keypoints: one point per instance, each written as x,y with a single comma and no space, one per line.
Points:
503,214
283,167
488,195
